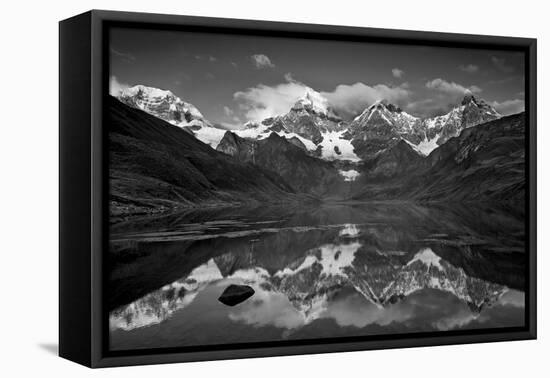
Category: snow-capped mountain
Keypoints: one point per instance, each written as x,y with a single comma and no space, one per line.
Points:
386,113
471,112
312,121
165,105
382,124
378,128
313,124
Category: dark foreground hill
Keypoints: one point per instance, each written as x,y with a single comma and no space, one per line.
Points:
305,173
155,165
484,163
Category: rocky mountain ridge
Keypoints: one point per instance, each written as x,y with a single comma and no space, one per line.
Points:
375,157
320,129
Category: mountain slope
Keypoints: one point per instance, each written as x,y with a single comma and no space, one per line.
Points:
309,117
484,163
155,165
165,105
400,159
382,124
289,160
311,121
162,104
378,128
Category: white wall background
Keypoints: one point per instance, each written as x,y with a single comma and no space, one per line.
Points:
29,189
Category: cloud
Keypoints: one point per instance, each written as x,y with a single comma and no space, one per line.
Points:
228,111
349,100
288,77
261,61
122,55
451,87
263,101
501,65
397,73
469,68
115,87
509,106
447,95
232,121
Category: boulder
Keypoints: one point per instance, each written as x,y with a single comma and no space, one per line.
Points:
235,294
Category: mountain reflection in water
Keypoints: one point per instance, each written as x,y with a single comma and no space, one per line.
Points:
330,271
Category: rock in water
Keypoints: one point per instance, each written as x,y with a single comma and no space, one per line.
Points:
235,294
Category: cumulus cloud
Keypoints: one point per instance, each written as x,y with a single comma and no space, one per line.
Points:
228,111
451,87
262,61
509,106
349,100
115,87
501,64
263,101
447,94
469,68
397,73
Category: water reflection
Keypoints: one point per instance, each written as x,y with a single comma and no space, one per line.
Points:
324,272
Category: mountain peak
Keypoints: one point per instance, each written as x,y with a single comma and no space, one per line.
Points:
385,108
312,100
162,104
470,100
468,97
147,91
383,103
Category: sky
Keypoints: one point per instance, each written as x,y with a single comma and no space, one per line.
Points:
233,79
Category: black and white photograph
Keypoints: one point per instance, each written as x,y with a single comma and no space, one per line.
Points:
249,189
271,189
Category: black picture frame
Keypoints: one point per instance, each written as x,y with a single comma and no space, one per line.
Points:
83,227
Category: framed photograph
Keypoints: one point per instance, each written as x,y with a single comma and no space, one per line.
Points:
234,188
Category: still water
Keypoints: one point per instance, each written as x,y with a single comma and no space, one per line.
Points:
326,271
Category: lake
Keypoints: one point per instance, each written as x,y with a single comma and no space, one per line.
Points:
332,270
